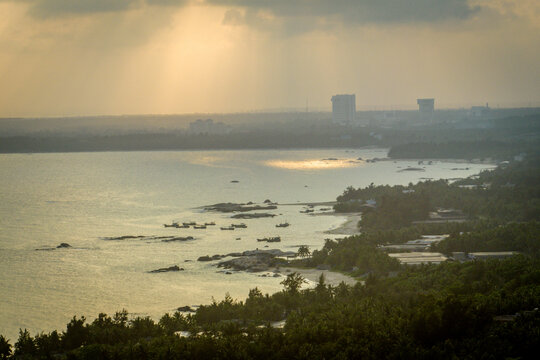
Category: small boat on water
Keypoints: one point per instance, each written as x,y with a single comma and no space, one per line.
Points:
174,224
307,211
210,223
227,228
199,226
182,226
282,225
271,239
239,226
191,223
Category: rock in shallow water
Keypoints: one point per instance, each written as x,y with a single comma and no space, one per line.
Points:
185,309
171,268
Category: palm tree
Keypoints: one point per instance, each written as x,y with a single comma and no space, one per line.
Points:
293,282
303,251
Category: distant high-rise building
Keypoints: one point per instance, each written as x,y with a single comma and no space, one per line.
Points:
343,109
426,106
480,111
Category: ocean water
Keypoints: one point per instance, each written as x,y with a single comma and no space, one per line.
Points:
82,198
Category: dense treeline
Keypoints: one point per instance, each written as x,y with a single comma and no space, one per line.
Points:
522,237
441,311
520,131
140,142
457,150
508,193
355,254
499,138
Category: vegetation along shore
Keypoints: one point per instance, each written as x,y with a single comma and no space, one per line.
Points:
438,269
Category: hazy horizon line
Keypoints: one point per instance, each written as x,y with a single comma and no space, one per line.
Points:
443,107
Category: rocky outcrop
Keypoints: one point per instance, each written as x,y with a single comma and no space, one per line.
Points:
251,260
125,237
61,246
252,216
411,169
185,309
234,207
167,238
168,269
247,263
210,258
271,252
256,260
177,238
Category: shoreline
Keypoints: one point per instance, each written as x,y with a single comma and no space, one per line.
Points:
333,278
494,162
349,227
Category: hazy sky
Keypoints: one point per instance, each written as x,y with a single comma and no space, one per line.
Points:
91,57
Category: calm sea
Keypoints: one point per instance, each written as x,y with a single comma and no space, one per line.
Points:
81,198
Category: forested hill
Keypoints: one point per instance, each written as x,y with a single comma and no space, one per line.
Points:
460,150
453,137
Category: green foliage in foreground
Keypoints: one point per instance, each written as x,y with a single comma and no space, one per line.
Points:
426,312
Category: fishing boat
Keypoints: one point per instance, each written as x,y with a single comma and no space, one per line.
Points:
210,223
174,224
227,228
199,226
241,226
189,223
282,225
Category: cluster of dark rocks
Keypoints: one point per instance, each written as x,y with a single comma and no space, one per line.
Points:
251,260
235,207
252,216
144,237
167,269
61,246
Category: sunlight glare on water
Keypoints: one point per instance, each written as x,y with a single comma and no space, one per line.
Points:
314,164
84,198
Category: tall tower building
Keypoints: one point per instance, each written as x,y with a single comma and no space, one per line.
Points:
426,106
343,109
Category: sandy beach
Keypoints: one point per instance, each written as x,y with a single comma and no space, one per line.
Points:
312,275
349,227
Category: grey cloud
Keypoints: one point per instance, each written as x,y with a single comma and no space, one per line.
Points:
356,11
51,8
167,2
54,8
